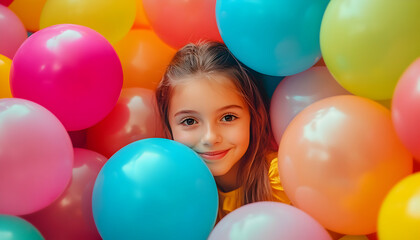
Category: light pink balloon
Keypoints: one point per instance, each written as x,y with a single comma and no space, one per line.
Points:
36,157
296,92
12,32
71,70
268,221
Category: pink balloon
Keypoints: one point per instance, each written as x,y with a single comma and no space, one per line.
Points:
406,108
71,70
296,92
36,157
12,32
268,221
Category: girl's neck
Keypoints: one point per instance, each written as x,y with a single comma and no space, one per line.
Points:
228,182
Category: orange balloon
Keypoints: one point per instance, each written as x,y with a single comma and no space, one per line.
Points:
5,65
338,159
144,58
29,12
141,20
134,117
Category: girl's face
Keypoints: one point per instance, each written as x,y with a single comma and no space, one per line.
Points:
209,116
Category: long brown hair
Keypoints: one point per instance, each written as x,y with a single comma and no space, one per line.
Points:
209,58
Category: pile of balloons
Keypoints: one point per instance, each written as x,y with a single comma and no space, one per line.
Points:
83,153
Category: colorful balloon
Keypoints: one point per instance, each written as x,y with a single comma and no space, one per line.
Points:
367,45
268,221
12,32
399,216
72,71
5,65
16,228
278,38
36,157
155,189
338,159
29,12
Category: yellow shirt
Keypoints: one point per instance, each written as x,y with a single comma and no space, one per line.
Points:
229,201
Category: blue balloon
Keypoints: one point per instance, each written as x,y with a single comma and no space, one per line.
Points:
155,189
16,228
273,37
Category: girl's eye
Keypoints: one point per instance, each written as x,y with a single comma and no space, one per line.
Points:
188,121
229,118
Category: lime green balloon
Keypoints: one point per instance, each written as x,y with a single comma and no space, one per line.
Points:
367,44
16,228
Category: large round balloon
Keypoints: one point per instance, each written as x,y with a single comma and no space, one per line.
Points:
5,65
367,44
29,12
399,217
338,159
155,189
296,92
406,108
268,221
180,22
273,37
16,228
70,216
36,157
135,117
112,18
12,32
71,70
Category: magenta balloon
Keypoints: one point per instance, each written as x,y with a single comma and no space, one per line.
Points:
12,32
296,92
71,70
36,157
268,221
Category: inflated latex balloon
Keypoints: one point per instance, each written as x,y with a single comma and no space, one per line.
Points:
406,108
71,70
12,32
135,117
399,217
273,37
367,45
112,18
180,22
268,221
298,91
5,65
144,58
338,159
16,228
29,11
71,214
155,189
36,157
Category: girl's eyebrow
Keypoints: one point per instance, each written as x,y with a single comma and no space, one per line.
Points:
185,112
219,110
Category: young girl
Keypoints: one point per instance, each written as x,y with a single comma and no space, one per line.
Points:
209,102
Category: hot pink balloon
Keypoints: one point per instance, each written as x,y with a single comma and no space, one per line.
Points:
12,32
406,108
268,221
36,157
296,92
71,70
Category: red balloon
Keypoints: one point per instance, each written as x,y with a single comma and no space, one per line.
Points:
70,216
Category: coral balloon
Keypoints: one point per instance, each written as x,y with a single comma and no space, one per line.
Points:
296,92
180,22
71,70
36,157
15,228
12,32
5,65
338,159
367,50
405,108
71,214
144,58
141,20
268,221
112,18
135,117
29,12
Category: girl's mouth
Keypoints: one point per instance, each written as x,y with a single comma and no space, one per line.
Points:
216,155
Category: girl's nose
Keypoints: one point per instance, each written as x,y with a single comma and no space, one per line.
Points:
211,135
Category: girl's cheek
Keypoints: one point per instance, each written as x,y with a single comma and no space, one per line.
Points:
185,137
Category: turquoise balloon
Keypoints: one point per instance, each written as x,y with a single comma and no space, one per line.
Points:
155,189
16,228
273,37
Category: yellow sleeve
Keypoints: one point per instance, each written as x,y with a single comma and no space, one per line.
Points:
278,191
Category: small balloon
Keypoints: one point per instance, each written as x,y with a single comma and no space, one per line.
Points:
16,228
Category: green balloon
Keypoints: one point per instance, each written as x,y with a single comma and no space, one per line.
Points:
16,228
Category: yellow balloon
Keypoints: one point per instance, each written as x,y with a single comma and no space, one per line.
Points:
5,65
29,12
367,45
111,18
399,215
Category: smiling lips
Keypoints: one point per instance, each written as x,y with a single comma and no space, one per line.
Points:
214,155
